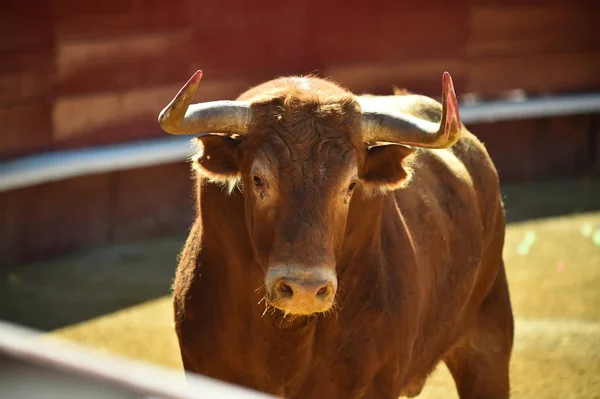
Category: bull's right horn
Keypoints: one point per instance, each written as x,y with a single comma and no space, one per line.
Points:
179,117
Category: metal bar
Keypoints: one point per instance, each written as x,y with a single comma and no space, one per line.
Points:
48,167
494,111
59,165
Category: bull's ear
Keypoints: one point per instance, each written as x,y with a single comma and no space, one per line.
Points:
386,167
217,157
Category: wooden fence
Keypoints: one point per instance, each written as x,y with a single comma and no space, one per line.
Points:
84,73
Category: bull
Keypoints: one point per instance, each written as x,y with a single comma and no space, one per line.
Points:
343,246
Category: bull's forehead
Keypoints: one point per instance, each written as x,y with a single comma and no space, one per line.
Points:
305,130
299,162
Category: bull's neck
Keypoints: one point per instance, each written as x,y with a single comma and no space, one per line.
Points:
225,238
362,245
363,230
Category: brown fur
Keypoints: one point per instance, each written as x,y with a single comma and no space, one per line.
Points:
418,259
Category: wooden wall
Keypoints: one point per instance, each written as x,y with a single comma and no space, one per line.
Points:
83,73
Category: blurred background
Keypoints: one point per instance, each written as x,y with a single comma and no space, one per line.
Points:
96,201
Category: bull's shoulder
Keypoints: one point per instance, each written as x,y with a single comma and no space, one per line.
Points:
464,167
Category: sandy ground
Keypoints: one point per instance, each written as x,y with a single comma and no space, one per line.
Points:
116,299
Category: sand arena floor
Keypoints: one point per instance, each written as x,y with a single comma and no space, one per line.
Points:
116,298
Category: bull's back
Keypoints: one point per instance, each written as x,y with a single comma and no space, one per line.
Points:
451,207
462,183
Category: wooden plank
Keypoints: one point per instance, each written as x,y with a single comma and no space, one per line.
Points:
25,75
595,144
108,117
143,61
421,76
572,136
216,41
535,149
9,227
123,62
237,37
153,201
398,33
535,73
25,24
126,115
55,218
574,3
26,128
97,19
533,28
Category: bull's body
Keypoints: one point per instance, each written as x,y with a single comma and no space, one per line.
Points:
421,280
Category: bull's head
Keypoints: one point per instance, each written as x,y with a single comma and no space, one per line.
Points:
299,148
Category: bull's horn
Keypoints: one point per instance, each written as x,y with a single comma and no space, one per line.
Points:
387,125
179,117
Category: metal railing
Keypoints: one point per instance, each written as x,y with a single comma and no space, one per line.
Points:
35,365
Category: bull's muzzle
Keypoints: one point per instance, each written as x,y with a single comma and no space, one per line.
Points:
301,291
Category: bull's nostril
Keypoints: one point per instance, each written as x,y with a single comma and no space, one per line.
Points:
323,291
285,291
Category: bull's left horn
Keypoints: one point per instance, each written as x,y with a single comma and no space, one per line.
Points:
402,128
179,117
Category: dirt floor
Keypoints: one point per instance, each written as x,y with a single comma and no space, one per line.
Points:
116,299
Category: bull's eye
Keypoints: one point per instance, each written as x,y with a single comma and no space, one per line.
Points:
349,192
257,181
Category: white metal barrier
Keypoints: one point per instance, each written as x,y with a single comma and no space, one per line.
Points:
34,365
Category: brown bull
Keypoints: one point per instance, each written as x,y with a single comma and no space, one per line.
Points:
343,246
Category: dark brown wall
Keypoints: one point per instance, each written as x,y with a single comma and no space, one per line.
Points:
76,74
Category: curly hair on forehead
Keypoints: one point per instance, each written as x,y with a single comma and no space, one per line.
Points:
304,111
